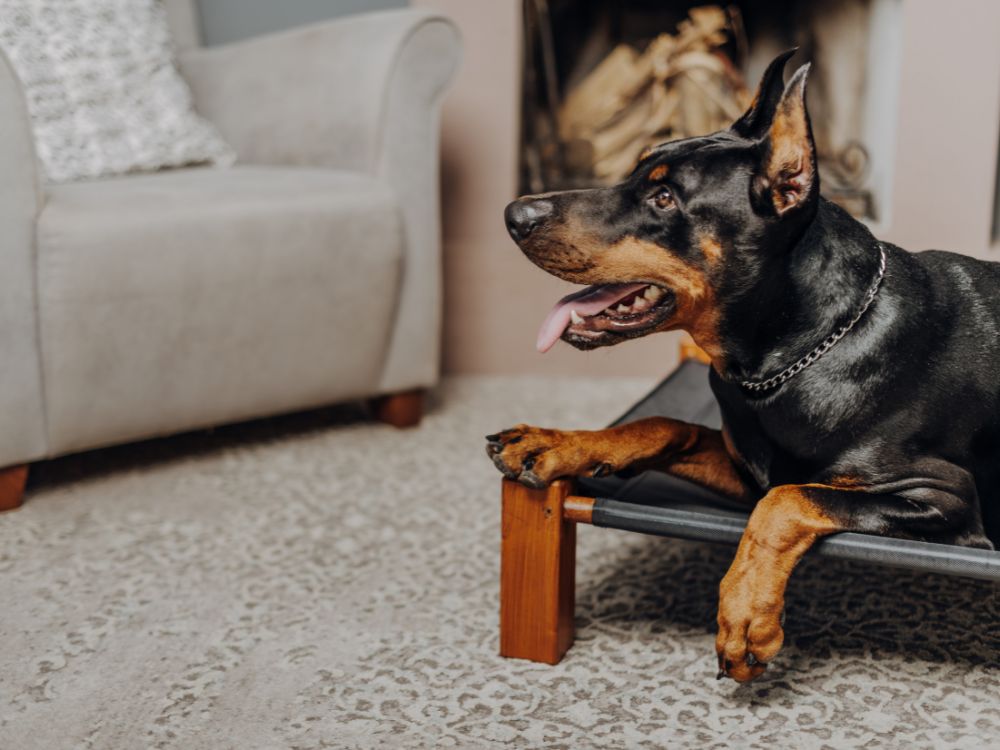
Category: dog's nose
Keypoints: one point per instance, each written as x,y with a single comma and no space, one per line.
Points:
524,215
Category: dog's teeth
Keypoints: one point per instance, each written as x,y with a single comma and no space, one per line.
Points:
652,293
623,308
575,317
640,305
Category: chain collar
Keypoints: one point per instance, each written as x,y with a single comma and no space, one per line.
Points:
759,386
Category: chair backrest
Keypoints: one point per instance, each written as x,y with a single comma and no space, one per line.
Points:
182,16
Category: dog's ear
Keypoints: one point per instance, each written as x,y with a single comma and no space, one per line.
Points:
788,175
755,121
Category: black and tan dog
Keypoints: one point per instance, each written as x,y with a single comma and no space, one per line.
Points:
859,383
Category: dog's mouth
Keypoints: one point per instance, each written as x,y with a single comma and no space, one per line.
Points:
604,313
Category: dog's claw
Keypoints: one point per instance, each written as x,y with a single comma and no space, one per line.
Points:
493,448
532,480
498,462
602,470
721,674
494,438
751,659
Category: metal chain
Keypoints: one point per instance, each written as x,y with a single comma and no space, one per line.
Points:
828,343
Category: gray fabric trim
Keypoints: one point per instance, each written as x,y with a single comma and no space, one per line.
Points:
712,525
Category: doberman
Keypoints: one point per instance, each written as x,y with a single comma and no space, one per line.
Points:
858,382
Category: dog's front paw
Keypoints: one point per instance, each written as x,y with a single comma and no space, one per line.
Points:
751,614
535,456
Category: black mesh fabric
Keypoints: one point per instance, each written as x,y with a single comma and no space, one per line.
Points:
655,503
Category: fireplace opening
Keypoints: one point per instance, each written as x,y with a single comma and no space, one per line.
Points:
603,79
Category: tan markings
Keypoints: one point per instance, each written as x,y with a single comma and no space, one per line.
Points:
783,526
847,482
690,451
574,254
711,249
658,173
632,258
709,465
690,350
790,165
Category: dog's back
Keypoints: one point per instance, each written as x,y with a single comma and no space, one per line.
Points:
966,318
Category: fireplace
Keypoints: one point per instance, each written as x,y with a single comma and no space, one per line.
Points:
602,79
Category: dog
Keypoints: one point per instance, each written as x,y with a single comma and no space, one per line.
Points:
859,383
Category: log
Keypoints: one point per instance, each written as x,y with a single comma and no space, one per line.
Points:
680,85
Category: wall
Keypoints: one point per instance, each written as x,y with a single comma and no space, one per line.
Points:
228,20
948,120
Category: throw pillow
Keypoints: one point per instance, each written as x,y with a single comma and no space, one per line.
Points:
103,92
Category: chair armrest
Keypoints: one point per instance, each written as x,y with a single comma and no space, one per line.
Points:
22,427
315,95
361,93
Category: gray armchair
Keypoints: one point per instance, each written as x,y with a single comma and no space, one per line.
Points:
307,274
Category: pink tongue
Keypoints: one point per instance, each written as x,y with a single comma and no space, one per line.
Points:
589,301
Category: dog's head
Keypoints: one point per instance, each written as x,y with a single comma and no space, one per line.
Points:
698,220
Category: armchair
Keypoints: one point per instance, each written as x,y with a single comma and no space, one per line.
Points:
307,274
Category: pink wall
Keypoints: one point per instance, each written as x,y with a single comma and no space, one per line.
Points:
948,127
943,179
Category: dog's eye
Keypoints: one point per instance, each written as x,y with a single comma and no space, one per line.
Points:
662,199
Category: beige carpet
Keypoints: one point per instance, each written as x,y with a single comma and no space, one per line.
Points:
322,582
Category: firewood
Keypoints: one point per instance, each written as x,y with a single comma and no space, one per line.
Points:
600,95
680,85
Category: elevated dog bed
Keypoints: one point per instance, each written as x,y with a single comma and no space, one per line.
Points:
656,503
537,575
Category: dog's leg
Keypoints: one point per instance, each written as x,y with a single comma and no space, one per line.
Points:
788,520
783,526
535,456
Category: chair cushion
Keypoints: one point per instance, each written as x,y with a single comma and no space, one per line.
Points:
200,296
103,92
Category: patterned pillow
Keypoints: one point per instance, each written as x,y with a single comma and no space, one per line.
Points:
104,95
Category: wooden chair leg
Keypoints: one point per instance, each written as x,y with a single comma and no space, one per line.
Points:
537,573
12,482
399,409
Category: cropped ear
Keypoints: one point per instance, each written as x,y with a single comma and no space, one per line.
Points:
788,176
755,121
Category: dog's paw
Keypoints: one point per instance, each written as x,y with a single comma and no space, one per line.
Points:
750,625
535,456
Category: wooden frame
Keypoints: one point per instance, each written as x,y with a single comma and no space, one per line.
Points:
537,573
538,569
538,563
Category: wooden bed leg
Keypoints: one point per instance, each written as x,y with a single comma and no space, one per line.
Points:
399,409
12,481
537,573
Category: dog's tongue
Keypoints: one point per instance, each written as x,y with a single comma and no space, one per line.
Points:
589,301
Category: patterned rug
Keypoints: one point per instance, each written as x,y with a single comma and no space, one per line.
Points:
319,581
